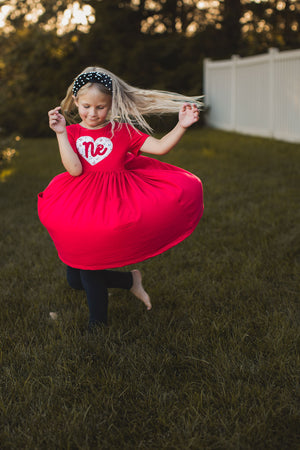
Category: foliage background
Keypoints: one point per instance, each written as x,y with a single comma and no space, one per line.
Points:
159,44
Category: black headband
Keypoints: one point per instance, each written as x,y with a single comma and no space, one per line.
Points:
92,77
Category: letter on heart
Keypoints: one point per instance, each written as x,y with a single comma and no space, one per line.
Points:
94,151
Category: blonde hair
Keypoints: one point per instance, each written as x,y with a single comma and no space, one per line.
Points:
129,104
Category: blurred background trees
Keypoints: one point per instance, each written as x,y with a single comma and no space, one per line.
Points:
150,43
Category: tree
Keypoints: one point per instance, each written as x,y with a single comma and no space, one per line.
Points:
231,11
159,44
272,23
36,65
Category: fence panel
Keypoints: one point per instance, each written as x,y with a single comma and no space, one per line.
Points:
257,95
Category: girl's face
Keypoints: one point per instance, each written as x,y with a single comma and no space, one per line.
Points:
93,107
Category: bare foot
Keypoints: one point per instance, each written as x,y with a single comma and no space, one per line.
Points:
138,290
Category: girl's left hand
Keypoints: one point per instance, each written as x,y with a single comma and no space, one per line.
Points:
188,115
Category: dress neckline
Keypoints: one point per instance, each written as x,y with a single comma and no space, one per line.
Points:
94,129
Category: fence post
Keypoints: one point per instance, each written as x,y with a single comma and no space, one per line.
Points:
272,95
234,60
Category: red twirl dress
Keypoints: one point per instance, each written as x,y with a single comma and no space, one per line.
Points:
123,208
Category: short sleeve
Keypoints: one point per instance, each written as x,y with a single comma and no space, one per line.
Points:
137,139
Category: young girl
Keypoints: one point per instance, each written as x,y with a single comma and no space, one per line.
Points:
114,207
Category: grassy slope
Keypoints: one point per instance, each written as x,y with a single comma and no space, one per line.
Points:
213,365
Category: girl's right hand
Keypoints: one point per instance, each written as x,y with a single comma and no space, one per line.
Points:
57,122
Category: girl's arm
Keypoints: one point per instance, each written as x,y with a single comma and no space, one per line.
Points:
69,158
188,115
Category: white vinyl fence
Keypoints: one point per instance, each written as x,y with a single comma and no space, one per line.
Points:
257,95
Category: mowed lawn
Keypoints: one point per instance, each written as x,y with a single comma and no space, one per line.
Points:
214,365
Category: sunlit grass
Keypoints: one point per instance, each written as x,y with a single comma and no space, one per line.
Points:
7,153
5,173
214,365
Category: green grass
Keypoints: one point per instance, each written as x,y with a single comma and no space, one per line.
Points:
214,365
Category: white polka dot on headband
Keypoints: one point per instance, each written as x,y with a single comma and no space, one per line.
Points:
92,77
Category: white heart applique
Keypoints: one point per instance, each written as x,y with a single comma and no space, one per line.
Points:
94,151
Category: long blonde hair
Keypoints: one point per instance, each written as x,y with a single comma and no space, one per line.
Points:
129,104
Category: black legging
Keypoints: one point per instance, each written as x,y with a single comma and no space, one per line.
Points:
95,283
